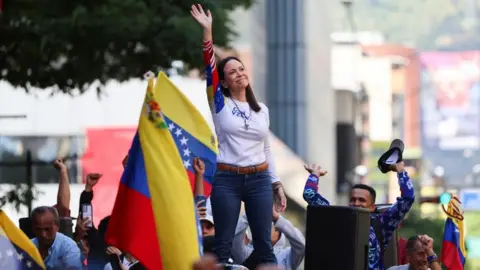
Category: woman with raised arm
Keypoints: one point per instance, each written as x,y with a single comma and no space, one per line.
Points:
245,165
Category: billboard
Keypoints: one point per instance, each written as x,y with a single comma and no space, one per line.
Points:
450,110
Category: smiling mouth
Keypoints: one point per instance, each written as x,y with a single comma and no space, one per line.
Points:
239,80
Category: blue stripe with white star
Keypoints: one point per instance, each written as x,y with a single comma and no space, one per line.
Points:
189,148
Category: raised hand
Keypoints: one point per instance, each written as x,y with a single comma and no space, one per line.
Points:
399,167
92,180
203,18
198,166
427,243
315,169
59,165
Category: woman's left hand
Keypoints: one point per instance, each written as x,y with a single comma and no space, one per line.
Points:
279,197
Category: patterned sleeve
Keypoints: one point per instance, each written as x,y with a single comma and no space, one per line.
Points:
310,192
391,218
214,91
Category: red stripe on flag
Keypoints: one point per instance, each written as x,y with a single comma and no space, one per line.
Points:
132,227
450,257
207,187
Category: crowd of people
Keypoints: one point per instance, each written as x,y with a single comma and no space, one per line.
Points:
254,239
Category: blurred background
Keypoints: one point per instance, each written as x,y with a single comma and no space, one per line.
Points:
341,80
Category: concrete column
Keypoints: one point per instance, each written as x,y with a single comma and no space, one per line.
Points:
286,72
320,97
258,39
299,93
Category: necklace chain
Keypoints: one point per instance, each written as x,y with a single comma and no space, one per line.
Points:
242,114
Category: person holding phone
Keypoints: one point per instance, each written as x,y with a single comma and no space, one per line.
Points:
245,165
85,233
86,208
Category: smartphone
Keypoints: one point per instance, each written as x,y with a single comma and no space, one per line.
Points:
87,213
203,200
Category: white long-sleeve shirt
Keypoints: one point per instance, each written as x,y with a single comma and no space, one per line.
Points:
243,147
237,145
288,258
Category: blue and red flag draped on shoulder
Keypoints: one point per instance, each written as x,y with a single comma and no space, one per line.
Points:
154,216
453,247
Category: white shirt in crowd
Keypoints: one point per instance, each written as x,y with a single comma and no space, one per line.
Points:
288,257
240,146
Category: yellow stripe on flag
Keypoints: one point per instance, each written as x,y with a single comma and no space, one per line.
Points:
18,238
178,108
454,209
169,186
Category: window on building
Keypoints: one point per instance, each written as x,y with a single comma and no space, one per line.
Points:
44,150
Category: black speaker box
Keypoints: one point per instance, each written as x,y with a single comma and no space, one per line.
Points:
337,238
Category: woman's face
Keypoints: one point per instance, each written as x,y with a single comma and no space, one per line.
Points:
235,75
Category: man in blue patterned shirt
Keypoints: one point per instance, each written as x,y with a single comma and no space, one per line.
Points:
363,196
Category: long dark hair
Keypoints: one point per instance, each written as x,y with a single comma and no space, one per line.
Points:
252,101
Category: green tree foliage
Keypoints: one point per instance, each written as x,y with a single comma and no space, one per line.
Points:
71,44
18,195
426,24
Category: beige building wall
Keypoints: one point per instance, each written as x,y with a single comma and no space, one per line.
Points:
376,74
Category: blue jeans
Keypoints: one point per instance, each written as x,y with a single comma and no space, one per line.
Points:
255,190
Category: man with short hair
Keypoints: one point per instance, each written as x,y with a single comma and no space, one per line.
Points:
57,250
420,255
363,196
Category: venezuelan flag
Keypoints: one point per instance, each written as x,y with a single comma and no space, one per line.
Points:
154,216
191,133
453,246
16,250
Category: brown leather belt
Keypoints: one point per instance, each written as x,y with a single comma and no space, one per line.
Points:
242,170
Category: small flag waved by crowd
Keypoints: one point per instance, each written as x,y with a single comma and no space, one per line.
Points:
453,247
